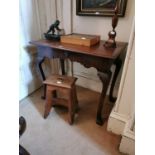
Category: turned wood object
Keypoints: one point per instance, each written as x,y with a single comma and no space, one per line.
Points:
111,43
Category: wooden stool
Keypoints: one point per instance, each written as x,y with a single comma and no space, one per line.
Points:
63,84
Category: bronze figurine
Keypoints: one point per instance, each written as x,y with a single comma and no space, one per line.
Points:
53,27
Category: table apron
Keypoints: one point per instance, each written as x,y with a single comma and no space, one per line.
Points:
101,64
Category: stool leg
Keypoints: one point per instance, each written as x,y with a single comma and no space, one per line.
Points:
76,106
70,108
48,103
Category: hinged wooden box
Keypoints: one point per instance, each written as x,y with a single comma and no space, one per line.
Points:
80,39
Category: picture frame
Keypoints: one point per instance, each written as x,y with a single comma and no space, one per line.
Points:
100,7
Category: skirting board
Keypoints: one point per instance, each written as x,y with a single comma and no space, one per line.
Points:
116,123
91,82
127,145
88,78
86,82
27,89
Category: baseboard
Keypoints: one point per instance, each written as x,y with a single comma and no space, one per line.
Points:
127,145
92,82
29,89
88,82
121,125
117,123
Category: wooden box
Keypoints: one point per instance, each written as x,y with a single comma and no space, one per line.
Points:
80,39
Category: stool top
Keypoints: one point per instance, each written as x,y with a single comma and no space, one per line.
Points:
60,81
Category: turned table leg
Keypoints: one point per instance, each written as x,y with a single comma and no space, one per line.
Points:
62,63
39,64
105,79
118,64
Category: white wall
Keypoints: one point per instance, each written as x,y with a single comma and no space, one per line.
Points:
125,105
35,18
29,30
122,118
128,93
100,26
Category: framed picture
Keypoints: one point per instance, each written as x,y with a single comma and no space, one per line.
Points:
100,7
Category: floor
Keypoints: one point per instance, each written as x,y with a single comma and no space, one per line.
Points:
54,136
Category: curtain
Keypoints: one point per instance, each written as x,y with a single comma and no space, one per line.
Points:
35,18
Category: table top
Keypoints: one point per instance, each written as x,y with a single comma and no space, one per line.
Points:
96,50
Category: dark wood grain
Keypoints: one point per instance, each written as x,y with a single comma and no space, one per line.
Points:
97,50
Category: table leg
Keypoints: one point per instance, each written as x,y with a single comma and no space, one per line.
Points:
118,64
62,66
39,62
105,79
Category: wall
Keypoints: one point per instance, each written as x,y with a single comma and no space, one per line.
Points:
35,18
29,29
122,118
101,26
124,106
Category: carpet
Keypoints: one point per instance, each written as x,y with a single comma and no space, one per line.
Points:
54,135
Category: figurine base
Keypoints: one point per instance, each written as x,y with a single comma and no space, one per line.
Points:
52,36
109,44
